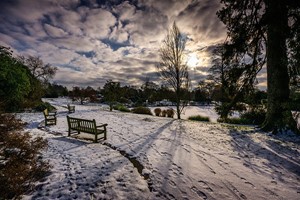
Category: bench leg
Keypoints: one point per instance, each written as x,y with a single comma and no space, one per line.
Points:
104,132
96,138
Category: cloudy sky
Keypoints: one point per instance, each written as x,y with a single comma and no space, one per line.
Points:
92,41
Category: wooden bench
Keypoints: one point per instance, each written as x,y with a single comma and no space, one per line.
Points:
87,126
50,117
71,108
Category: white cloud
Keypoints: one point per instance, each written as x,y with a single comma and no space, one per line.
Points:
71,21
170,8
119,35
125,10
88,42
55,31
98,23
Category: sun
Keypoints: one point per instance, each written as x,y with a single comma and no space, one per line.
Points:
192,61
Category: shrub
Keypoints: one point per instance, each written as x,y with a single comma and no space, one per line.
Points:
170,113
124,109
164,113
237,120
256,116
142,110
121,108
157,111
21,164
117,106
199,118
44,105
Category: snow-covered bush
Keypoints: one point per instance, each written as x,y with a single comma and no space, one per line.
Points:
20,161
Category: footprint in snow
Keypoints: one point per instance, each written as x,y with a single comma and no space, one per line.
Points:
172,183
247,182
199,192
205,185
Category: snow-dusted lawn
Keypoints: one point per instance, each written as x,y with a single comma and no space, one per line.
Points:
184,159
206,111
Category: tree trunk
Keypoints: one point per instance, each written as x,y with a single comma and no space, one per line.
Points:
110,106
178,94
178,110
279,116
178,105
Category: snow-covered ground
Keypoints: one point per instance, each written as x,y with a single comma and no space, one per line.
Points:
148,157
205,111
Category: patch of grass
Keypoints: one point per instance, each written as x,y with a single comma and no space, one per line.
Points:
199,118
237,120
124,109
121,108
237,127
255,117
142,110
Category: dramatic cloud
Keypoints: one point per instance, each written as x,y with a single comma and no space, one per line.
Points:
91,41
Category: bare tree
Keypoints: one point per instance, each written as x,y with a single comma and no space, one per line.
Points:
38,69
172,67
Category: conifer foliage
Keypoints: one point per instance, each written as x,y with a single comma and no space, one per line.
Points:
264,32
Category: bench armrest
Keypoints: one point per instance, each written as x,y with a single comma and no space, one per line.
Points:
102,125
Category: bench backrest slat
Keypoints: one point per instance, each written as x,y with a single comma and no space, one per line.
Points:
84,124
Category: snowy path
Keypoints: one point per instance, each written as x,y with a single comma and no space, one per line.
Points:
74,176
185,160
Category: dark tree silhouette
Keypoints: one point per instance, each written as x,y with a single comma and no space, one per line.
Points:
259,26
38,69
111,92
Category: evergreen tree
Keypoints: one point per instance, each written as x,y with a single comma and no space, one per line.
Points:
14,81
259,26
111,92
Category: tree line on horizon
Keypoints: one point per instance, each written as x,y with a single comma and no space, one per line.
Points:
24,81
